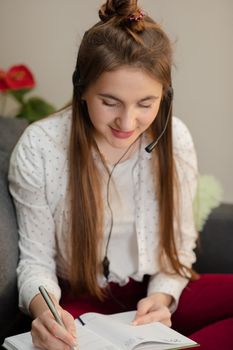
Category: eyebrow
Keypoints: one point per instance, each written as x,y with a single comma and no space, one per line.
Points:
152,97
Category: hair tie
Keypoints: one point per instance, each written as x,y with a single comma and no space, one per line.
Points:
137,16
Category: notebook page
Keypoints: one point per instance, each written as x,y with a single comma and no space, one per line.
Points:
88,340
159,331
118,330
19,342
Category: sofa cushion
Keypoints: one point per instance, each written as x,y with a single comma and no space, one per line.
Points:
214,252
10,130
9,251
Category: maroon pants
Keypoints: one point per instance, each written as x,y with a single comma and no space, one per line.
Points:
204,313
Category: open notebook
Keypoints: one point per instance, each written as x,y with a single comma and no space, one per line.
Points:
114,332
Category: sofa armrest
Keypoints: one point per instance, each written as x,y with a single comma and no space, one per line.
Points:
215,246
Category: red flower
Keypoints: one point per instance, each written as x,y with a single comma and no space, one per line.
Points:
3,84
19,77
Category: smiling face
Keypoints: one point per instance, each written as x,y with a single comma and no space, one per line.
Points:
122,104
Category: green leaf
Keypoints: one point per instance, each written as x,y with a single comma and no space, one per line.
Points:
35,108
19,94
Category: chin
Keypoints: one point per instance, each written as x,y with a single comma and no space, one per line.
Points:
122,143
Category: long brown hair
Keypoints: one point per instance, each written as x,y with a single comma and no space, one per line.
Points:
113,42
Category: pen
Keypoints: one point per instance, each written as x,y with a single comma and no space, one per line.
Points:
52,307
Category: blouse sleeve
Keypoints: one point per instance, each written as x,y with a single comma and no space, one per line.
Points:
187,175
35,221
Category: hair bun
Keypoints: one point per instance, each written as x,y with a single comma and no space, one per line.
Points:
122,9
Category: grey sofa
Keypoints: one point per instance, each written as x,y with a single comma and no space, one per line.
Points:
11,320
215,253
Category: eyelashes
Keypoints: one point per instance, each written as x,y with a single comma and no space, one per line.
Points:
105,103
109,104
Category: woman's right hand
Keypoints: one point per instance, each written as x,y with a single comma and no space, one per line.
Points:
47,334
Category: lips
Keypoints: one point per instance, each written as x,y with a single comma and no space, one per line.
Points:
122,134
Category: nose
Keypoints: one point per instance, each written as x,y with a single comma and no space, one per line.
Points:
126,121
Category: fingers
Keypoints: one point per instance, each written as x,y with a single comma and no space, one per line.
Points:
149,310
162,315
144,306
48,334
46,341
69,323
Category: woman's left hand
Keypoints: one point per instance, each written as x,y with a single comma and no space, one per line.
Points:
154,308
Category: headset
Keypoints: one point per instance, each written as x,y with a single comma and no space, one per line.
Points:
149,148
78,88
154,143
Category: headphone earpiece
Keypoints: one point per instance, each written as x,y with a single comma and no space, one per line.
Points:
170,93
76,77
77,83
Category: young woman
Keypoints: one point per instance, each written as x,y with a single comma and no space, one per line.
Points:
104,192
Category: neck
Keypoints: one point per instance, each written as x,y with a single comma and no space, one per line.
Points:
112,155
